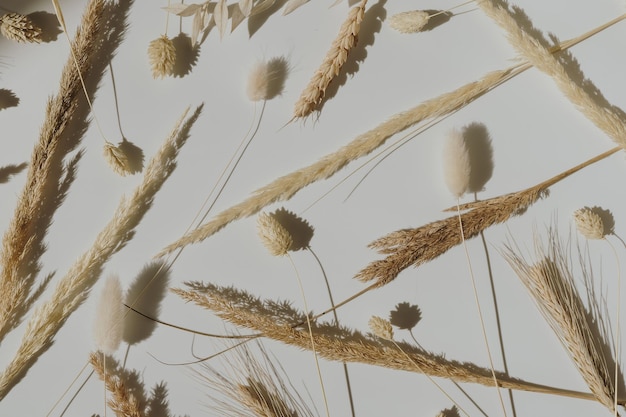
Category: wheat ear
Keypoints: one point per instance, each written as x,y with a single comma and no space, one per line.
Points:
22,243
551,284
123,402
408,247
287,186
74,287
275,320
578,89
313,95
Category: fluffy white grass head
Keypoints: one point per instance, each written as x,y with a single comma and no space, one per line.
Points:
589,223
409,22
109,323
162,55
259,81
381,327
456,163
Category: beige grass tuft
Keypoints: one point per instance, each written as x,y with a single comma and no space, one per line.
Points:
109,321
589,223
456,163
19,28
313,95
162,55
551,285
274,236
117,159
122,402
411,21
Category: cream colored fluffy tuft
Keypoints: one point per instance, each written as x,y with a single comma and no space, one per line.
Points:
409,22
162,55
456,163
109,324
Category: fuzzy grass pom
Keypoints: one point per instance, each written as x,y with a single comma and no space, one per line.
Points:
162,55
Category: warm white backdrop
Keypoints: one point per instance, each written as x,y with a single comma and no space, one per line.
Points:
536,134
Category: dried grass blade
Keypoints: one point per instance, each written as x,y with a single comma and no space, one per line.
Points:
275,320
408,247
551,284
75,286
22,243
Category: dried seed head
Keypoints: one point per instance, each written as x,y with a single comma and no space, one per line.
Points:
19,28
589,223
456,161
381,328
409,22
117,159
273,235
259,82
108,327
162,55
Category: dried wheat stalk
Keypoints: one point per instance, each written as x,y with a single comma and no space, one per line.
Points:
287,186
22,244
408,247
122,402
536,50
276,320
74,287
313,95
551,284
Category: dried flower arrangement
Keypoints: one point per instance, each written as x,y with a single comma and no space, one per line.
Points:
477,349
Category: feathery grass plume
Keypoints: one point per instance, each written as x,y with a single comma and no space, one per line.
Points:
313,95
410,21
589,223
287,186
109,323
408,247
381,327
279,321
162,55
561,67
48,178
274,236
550,282
456,163
19,28
123,402
252,387
74,287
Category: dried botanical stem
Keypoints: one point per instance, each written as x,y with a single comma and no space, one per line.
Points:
551,284
313,95
23,241
408,247
123,402
561,67
74,287
243,309
287,186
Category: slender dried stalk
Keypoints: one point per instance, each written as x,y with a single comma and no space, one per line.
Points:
122,402
23,244
285,187
408,247
275,320
73,289
561,67
252,387
313,95
551,284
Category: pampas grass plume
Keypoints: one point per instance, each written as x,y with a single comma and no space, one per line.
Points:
109,323
409,22
456,163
